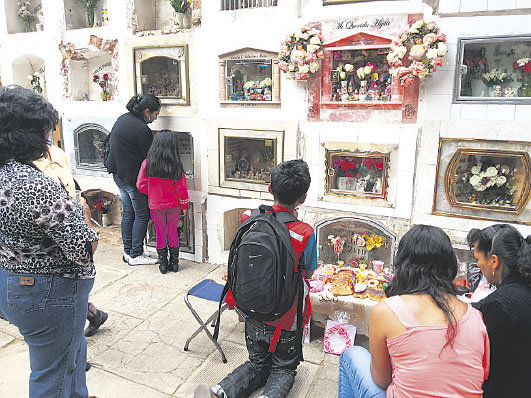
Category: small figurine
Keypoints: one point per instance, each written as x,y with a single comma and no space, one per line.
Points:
509,92
498,91
85,97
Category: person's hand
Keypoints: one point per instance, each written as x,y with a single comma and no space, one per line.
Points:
184,212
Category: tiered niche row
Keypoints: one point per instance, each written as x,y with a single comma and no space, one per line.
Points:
29,72
78,17
24,16
158,15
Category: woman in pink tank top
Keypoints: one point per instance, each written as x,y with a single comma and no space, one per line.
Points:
424,342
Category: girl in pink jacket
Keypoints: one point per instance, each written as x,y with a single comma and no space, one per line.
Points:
161,177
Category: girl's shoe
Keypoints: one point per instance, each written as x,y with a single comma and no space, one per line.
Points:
163,260
174,259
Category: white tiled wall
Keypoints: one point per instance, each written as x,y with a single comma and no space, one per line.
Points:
454,6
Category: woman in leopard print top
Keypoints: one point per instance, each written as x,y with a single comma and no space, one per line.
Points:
46,248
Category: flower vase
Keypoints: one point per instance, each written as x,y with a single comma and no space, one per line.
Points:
187,21
90,18
491,90
525,89
105,96
105,220
27,26
179,20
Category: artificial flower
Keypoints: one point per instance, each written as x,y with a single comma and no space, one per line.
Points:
407,81
476,169
430,38
314,67
442,49
500,180
315,40
343,75
431,25
349,68
491,171
313,48
432,53
291,67
304,69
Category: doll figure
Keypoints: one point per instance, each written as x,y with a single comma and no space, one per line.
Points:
498,91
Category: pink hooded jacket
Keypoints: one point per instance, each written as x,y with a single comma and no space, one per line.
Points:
162,193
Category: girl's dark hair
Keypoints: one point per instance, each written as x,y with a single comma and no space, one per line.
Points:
25,118
504,241
163,159
425,263
139,103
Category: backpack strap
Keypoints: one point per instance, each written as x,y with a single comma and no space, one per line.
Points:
221,300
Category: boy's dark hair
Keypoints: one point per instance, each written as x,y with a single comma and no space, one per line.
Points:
163,159
425,263
139,103
290,180
506,242
25,118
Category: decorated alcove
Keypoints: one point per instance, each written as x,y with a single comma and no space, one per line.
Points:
77,17
163,72
485,180
29,72
185,229
360,241
348,96
88,142
151,15
249,77
24,17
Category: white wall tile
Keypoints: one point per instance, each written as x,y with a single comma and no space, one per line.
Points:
455,112
523,3
438,106
474,112
522,113
425,181
500,112
473,5
514,131
448,6
442,82
501,4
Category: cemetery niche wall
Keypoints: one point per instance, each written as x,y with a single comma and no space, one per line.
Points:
486,180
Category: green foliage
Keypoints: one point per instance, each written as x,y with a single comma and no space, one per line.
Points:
181,6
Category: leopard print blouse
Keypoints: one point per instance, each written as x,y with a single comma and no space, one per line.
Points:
42,228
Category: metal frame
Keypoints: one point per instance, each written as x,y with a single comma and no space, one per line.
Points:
80,129
227,5
459,71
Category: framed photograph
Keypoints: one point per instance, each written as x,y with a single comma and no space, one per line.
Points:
334,76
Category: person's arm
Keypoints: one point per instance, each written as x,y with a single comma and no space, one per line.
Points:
308,258
182,193
145,138
142,181
381,368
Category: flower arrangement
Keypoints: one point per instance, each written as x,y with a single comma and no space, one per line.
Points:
496,77
300,53
103,204
35,80
26,14
369,241
338,243
104,84
90,6
427,49
181,6
489,184
365,72
345,71
355,166
523,65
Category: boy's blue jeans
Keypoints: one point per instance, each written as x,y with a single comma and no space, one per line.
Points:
355,379
275,370
135,217
51,315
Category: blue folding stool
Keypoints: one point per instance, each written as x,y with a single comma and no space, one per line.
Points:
209,290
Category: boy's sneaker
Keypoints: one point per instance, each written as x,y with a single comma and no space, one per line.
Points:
143,259
126,257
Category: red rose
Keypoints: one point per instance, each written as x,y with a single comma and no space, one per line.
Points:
407,80
95,78
516,66
102,84
378,165
105,77
527,68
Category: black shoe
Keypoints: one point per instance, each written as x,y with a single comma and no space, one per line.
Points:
174,259
87,366
163,260
95,321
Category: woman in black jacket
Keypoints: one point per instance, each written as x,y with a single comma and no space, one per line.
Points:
504,257
129,144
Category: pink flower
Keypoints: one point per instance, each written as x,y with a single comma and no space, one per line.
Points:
301,62
441,37
283,66
431,25
430,38
417,67
437,61
320,54
407,81
373,66
311,57
301,76
395,63
402,71
404,35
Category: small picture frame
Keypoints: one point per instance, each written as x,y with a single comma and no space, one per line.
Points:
228,80
334,76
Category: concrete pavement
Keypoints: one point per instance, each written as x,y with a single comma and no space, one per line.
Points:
139,352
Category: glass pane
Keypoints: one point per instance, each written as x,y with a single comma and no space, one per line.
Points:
161,77
249,159
90,147
359,175
361,75
362,242
497,69
249,80
489,180
186,152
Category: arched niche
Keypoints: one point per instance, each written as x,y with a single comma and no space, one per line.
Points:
83,69
359,237
76,16
27,68
15,24
88,142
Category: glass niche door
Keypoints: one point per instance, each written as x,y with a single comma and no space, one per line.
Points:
249,80
494,69
247,157
163,72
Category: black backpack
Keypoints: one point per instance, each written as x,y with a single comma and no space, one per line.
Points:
262,272
106,149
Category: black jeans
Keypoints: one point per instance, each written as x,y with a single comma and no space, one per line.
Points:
276,370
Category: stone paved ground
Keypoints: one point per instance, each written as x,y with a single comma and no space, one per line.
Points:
139,351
